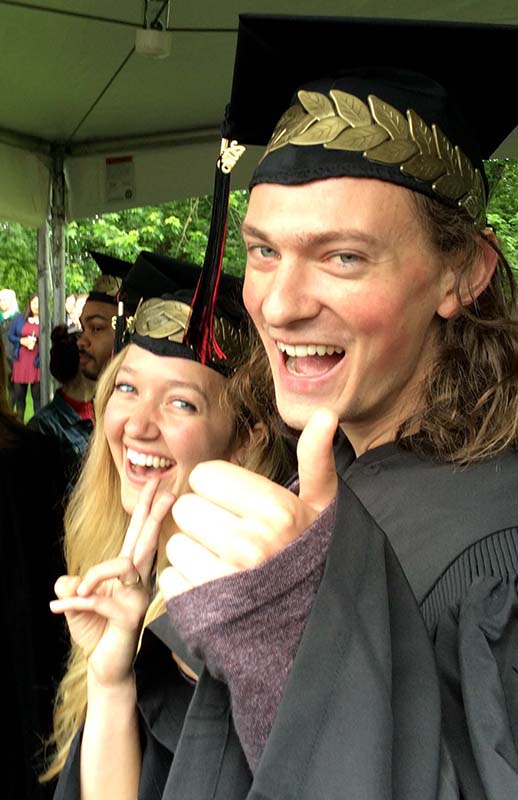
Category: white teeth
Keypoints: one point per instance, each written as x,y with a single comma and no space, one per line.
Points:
303,350
146,460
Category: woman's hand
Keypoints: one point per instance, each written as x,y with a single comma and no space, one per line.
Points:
28,342
235,519
105,608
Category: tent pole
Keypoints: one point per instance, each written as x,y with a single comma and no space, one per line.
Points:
44,294
57,222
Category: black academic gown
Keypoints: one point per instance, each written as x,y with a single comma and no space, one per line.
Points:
34,642
385,700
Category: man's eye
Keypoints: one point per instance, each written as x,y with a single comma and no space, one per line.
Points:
262,250
267,252
346,258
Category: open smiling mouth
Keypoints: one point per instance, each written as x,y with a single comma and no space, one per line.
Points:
310,360
146,464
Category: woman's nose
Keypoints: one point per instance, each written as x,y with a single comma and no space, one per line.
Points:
143,421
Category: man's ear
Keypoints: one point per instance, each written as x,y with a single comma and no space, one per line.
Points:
247,440
474,281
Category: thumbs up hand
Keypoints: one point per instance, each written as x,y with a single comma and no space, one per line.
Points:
235,519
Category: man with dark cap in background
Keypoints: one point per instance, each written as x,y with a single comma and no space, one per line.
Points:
97,336
360,631
77,358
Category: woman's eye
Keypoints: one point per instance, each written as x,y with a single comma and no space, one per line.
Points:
183,404
126,388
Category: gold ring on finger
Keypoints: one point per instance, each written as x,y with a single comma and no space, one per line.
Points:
129,584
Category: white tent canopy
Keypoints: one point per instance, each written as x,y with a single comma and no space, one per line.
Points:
133,130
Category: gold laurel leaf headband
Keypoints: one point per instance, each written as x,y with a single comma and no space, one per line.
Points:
107,284
159,318
385,136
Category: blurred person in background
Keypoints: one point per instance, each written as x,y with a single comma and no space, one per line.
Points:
70,304
69,417
8,308
24,336
78,309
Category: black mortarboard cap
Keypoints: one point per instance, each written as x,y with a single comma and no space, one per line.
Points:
106,288
277,54
166,288
409,102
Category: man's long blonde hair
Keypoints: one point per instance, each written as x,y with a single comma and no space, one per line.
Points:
96,522
470,398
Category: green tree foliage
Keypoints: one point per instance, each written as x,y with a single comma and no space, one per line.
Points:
503,206
18,269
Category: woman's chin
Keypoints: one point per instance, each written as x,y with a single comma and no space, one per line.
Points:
129,497
128,504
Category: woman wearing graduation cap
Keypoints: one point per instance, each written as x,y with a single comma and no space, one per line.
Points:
159,412
374,656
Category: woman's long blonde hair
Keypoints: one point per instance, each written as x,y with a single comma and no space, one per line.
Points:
96,522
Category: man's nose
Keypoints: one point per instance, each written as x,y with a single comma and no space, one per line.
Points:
83,340
291,294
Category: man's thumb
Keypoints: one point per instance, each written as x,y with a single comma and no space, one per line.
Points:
317,471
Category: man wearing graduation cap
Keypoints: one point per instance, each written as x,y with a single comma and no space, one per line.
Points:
374,654
96,340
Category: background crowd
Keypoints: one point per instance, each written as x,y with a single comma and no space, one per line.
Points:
20,335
